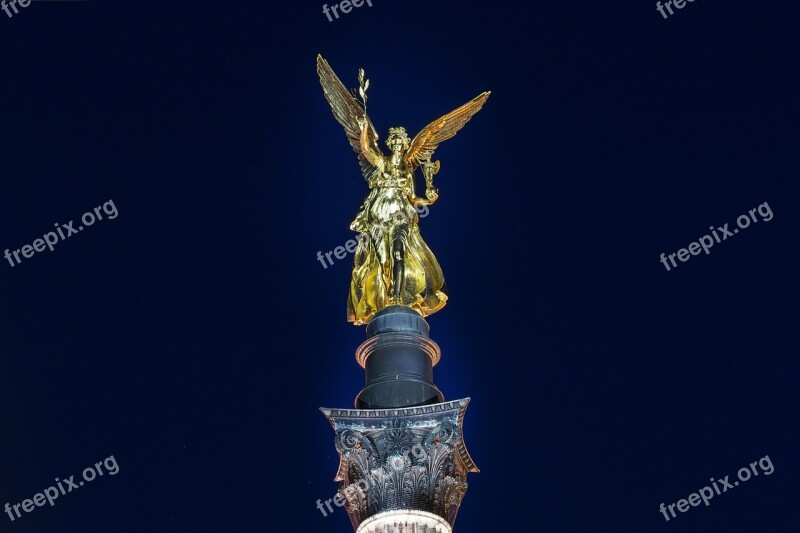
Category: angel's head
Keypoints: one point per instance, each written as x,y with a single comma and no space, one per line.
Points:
398,140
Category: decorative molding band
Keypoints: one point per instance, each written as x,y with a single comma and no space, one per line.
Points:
411,340
407,521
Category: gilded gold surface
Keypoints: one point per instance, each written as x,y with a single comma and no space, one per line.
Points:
393,265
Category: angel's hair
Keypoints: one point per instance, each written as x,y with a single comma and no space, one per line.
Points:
398,133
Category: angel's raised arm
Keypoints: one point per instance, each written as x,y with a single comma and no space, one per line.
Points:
368,145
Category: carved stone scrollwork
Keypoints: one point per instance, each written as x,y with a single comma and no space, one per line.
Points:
401,463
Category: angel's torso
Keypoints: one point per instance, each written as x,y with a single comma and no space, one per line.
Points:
389,196
395,175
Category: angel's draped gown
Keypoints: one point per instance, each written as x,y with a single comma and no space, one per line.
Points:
387,216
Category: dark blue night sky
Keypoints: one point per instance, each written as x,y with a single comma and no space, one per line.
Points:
194,336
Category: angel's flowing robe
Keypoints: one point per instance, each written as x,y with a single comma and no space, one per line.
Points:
388,216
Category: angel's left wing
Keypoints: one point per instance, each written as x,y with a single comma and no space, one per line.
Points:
438,131
348,111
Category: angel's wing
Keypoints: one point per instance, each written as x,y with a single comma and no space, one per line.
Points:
438,131
347,111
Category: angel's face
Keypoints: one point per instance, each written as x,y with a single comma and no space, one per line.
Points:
396,144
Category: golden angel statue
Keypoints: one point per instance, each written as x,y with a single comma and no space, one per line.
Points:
393,265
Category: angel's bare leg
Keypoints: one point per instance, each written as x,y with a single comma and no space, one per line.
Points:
398,254
385,260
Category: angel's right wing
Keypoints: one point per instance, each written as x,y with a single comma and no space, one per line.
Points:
348,111
442,129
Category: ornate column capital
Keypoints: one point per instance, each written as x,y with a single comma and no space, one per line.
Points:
402,467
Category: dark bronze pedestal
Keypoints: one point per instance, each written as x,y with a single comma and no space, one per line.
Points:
403,463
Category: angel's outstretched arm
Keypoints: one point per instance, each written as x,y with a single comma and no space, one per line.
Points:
431,194
419,201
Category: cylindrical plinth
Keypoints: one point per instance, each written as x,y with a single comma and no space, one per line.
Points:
398,357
